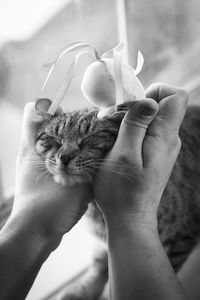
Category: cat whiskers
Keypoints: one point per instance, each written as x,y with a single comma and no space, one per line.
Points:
115,168
116,163
37,163
114,171
36,160
40,164
90,168
43,174
91,173
52,165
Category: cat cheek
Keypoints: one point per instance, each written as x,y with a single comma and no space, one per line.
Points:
41,148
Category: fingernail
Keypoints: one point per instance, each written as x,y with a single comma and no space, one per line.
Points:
42,105
146,111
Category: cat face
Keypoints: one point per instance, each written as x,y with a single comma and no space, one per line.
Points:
73,145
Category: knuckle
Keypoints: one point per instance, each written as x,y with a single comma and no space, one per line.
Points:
154,85
158,133
124,158
139,123
174,144
127,161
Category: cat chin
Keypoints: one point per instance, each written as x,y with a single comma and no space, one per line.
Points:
69,180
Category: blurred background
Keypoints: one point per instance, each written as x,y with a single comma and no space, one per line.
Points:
31,31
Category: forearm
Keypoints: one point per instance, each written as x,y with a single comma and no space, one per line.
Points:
138,265
189,274
22,253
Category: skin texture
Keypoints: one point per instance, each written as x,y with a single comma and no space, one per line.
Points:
44,210
176,234
73,146
190,273
28,177
131,218
179,208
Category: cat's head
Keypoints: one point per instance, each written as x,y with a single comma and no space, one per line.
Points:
73,145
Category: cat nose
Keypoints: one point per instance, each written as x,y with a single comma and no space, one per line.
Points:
65,159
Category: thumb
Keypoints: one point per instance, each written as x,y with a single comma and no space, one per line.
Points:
32,119
134,126
34,115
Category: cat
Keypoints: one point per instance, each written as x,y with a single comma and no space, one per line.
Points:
73,146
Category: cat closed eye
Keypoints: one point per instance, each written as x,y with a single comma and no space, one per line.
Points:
50,139
41,136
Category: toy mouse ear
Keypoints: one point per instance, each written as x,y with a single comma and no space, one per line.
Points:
42,105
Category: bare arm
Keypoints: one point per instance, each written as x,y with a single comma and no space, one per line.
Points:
22,253
139,267
146,150
189,274
42,213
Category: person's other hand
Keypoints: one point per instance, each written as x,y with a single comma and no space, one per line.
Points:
49,208
130,183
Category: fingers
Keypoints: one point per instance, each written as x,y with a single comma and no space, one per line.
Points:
42,105
172,110
164,129
133,129
160,117
159,91
30,125
32,119
172,107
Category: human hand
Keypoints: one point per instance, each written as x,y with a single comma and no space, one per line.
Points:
129,185
45,207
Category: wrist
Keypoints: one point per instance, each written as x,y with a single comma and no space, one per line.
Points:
21,231
134,232
22,251
128,221
136,238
